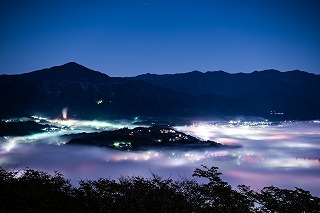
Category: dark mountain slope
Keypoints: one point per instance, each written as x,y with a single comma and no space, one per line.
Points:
68,72
91,94
295,93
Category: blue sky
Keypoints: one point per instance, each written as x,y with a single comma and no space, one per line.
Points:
127,38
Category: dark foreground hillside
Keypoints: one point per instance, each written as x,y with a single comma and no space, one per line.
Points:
36,191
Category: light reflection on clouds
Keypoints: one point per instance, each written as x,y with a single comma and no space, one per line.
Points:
270,154
292,162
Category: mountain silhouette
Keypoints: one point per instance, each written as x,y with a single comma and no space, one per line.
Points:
93,95
68,72
296,94
86,93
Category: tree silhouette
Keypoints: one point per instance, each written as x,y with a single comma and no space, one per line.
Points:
36,191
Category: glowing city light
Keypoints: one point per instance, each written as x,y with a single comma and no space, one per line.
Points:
65,113
99,102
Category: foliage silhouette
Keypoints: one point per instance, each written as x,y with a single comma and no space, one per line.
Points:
36,191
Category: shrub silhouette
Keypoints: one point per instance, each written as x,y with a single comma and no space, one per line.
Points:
36,191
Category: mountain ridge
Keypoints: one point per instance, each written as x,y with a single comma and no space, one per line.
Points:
294,93
70,71
92,94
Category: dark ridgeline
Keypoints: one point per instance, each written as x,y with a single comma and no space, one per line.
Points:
21,128
86,93
70,72
144,138
91,94
294,93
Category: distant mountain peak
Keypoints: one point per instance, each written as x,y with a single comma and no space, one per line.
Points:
193,72
70,71
268,71
73,65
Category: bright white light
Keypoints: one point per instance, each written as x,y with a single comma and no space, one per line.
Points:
65,113
292,162
82,124
9,146
99,102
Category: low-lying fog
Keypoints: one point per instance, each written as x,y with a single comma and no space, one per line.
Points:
284,154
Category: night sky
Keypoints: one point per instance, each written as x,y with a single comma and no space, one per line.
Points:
127,38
